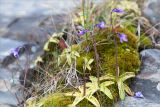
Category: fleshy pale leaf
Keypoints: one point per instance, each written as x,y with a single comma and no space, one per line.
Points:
107,77
90,61
93,100
68,59
121,89
128,90
93,85
106,91
38,59
76,53
107,83
88,67
76,101
75,94
54,40
126,76
46,46
93,79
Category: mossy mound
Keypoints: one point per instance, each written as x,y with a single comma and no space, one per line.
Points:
128,56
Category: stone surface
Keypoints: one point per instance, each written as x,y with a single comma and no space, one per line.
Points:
150,68
28,20
136,102
150,9
8,98
34,28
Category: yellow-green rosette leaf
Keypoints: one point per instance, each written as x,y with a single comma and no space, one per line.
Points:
54,40
126,76
46,46
94,101
106,91
128,90
121,89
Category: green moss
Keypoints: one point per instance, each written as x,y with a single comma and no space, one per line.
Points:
54,100
145,42
128,57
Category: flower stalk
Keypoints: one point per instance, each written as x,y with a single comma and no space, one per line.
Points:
116,47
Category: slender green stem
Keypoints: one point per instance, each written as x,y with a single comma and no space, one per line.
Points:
84,85
96,55
116,48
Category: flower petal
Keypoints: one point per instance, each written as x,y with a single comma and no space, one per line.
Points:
118,10
101,25
15,52
139,95
82,32
122,37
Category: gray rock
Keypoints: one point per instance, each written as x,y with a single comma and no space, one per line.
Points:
150,68
8,98
136,102
151,9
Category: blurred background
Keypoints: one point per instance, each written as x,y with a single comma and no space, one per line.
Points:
29,23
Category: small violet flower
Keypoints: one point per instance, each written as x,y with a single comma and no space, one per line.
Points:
15,52
118,10
82,32
101,25
138,95
122,37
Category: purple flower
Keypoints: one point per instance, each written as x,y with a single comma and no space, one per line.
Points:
15,52
101,25
122,37
118,10
138,95
82,32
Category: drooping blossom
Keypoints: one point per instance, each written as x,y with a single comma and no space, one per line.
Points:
15,52
138,95
82,32
118,10
122,37
101,25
